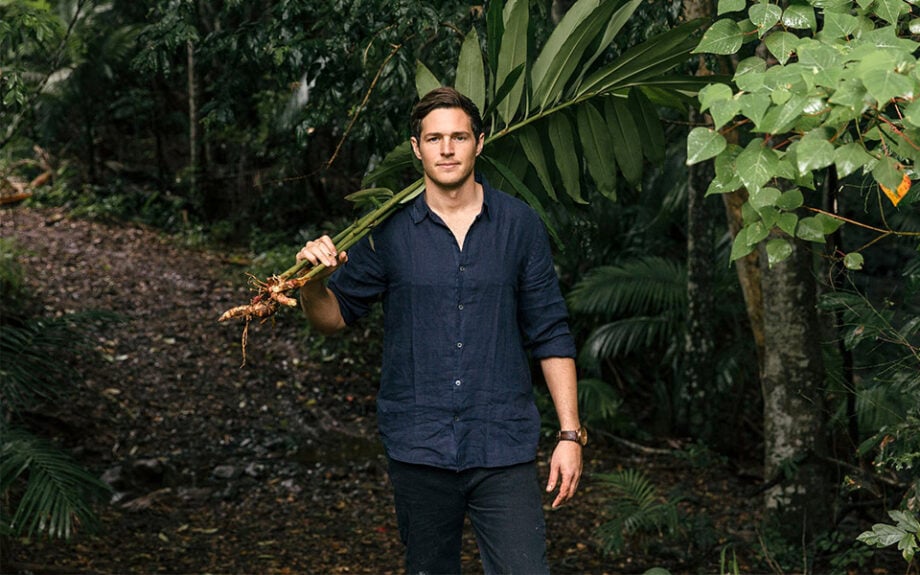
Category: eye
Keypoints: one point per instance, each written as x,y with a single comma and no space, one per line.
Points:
460,137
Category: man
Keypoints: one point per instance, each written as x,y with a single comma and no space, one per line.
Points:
468,289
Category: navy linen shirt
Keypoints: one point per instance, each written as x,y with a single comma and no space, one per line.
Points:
455,388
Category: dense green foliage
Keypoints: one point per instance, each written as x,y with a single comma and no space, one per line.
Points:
250,122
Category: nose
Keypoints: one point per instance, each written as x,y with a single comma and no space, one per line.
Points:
447,147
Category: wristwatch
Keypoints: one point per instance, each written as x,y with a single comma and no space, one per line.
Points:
580,436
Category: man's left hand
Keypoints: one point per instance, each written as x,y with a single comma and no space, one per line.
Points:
565,470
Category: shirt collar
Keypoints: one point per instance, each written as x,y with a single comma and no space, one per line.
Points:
420,209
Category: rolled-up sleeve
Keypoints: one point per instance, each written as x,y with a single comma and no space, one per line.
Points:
359,283
542,314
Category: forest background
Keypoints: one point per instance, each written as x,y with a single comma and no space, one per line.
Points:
736,297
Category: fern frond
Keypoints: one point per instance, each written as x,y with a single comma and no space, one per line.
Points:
58,492
628,335
637,509
645,285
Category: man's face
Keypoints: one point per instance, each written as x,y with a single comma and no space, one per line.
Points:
447,147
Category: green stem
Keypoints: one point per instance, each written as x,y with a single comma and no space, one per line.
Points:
360,228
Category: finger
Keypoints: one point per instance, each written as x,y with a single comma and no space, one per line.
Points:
564,493
553,477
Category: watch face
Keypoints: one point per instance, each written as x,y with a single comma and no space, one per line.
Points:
583,436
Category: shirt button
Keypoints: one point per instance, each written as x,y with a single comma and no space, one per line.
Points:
460,307
459,344
463,268
457,383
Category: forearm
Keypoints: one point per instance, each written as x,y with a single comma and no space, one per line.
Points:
321,307
562,381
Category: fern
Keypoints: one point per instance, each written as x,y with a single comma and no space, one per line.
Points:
642,286
638,511
58,492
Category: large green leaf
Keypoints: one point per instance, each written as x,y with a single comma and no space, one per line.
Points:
518,187
471,78
495,30
646,116
563,51
702,144
391,168
626,138
723,37
425,81
598,149
533,148
616,23
563,141
640,63
757,164
513,55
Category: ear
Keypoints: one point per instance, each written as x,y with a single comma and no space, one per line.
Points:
414,141
480,143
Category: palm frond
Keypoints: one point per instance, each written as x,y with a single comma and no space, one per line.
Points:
644,285
35,353
58,492
637,510
625,336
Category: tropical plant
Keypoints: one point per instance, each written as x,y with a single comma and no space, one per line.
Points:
560,97
52,493
638,512
905,533
832,93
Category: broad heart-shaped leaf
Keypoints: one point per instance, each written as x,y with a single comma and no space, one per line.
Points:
754,106
778,250
853,261
726,6
891,10
533,148
740,245
850,157
649,124
838,25
723,111
764,16
790,200
513,55
518,187
471,76
800,16
884,84
788,222
560,56
757,164
723,37
888,173
563,141
813,152
425,81
625,136
810,229
597,148
714,93
749,74
912,112
764,197
702,144
781,45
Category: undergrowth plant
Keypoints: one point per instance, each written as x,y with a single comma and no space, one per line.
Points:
43,489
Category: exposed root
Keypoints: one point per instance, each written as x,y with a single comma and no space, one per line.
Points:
264,305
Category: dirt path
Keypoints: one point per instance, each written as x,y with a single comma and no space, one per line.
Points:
273,468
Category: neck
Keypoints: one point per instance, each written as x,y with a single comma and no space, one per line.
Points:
465,196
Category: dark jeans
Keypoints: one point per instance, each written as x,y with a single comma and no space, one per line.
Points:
504,505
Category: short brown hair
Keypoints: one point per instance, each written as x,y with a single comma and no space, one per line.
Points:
444,97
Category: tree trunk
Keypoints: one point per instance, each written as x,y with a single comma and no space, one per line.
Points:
793,388
699,342
192,121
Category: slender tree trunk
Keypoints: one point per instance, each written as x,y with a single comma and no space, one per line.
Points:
795,431
192,121
699,342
